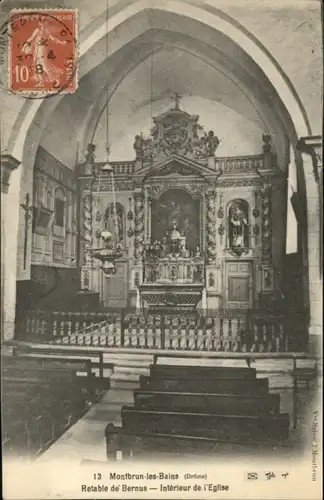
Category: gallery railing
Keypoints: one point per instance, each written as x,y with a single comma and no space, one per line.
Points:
221,331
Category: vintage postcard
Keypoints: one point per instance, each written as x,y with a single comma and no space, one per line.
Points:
161,249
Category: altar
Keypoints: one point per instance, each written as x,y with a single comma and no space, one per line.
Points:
193,230
174,276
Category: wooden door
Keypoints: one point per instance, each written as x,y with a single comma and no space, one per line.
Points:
116,287
239,285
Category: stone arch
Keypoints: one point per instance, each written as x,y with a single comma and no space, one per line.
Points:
208,16
27,129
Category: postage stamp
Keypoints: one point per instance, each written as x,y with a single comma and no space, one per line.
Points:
42,52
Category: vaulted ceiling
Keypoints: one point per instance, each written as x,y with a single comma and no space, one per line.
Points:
137,69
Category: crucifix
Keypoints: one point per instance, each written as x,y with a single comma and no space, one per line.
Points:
28,216
176,98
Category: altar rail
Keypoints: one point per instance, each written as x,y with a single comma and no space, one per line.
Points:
224,331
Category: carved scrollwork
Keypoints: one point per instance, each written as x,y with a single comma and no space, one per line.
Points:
196,190
211,280
211,226
87,227
256,230
139,225
130,232
221,231
238,182
266,193
220,213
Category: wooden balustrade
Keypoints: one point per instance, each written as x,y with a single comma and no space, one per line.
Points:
241,164
224,331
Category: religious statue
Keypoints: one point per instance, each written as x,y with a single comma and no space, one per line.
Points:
212,142
184,251
238,221
90,157
154,132
138,147
266,143
114,222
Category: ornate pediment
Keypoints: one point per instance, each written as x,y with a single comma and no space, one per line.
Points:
177,166
176,132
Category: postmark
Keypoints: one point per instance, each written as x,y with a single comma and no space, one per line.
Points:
42,58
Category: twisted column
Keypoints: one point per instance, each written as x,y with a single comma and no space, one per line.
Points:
87,227
211,226
266,193
139,225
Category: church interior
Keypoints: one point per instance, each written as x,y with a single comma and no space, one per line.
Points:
161,266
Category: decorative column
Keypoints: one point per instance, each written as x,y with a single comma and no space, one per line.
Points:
87,271
8,275
212,269
87,227
211,226
311,148
139,225
266,193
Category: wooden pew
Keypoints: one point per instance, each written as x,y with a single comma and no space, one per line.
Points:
224,404
136,444
61,400
226,427
252,386
38,406
26,435
87,378
182,371
67,352
27,427
64,385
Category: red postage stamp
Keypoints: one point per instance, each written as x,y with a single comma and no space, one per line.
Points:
43,51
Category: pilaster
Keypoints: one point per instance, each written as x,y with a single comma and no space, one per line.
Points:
311,150
8,285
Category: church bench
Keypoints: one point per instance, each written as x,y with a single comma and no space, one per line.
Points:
225,427
67,352
46,388
255,386
62,405
135,443
223,404
26,435
82,368
182,371
46,410
50,382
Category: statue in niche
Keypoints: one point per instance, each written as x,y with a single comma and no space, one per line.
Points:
115,222
238,225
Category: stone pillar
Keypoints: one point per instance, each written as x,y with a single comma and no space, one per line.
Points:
310,148
8,275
